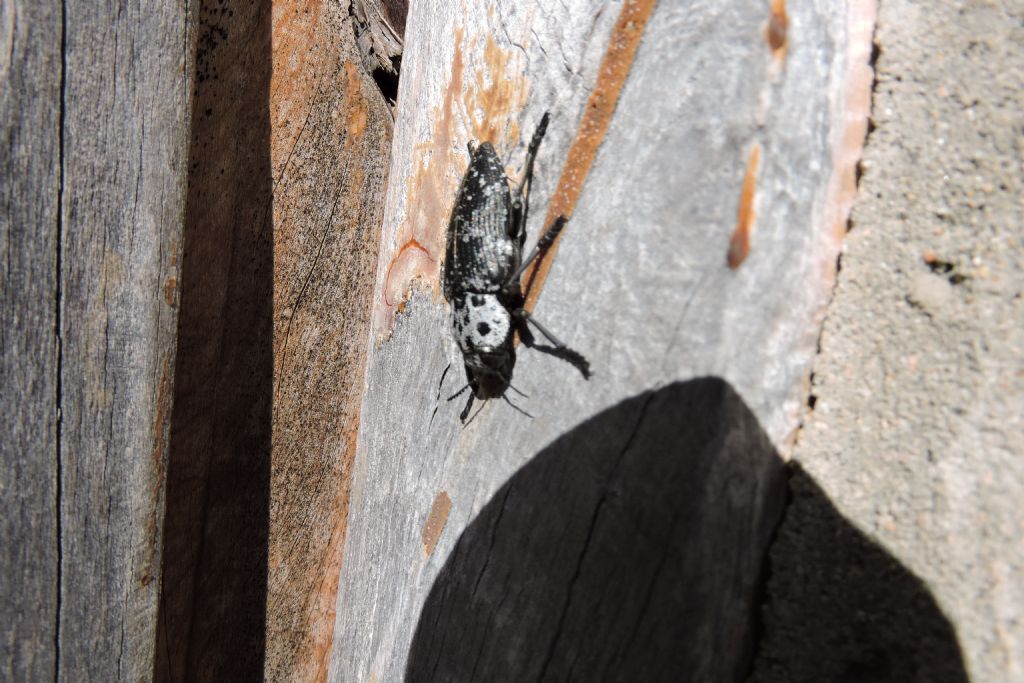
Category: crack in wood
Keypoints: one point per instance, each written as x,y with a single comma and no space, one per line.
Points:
590,534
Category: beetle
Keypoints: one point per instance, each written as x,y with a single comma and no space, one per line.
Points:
483,264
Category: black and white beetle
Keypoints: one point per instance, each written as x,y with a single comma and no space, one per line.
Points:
483,264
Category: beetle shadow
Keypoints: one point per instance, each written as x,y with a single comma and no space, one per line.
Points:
570,356
634,548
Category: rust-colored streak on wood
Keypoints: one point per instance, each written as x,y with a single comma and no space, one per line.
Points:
330,143
859,78
618,58
776,30
482,102
170,290
496,97
435,522
411,244
739,244
426,191
324,599
295,73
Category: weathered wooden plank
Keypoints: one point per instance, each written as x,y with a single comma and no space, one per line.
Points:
290,143
30,68
705,224
378,27
330,147
124,139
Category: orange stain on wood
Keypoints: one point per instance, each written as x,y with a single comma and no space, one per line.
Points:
323,602
436,520
493,97
618,58
776,31
295,70
170,290
356,115
411,244
487,100
859,78
305,563
739,245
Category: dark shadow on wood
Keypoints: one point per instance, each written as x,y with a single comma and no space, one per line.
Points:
840,608
633,548
211,625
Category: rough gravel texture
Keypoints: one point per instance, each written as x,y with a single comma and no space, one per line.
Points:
901,554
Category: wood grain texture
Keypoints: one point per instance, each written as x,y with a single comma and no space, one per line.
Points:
30,68
641,503
125,144
289,150
330,145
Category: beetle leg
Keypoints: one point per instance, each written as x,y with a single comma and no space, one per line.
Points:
465,411
531,151
543,243
521,200
526,316
458,393
557,349
517,222
518,409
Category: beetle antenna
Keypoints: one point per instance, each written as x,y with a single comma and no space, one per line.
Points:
518,409
441,383
517,391
437,403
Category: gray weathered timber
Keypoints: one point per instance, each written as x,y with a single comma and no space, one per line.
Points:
378,29
124,137
93,107
640,503
30,68
330,176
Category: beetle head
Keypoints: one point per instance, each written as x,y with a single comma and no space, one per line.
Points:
490,371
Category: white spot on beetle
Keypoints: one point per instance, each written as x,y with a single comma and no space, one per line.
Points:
480,322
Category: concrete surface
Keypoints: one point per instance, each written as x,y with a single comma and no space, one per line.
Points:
915,430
